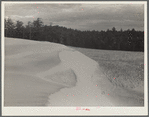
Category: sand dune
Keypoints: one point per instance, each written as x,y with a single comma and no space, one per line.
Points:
44,73
23,61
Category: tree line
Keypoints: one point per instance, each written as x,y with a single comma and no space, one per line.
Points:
128,40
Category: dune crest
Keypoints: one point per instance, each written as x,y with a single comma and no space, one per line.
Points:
85,92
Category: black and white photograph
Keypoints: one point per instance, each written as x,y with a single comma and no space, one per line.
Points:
84,57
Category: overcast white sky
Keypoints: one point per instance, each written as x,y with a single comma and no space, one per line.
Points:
80,16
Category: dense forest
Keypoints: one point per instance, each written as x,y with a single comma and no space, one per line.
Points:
128,40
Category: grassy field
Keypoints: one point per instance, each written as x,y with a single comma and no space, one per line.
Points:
126,67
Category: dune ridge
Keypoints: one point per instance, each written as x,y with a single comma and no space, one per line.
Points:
24,61
84,69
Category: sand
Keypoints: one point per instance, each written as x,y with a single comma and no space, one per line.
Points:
92,88
23,90
48,74
23,60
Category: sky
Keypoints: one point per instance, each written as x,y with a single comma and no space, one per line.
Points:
81,16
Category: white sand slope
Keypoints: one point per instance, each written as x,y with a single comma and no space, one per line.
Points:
24,59
35,71
92,87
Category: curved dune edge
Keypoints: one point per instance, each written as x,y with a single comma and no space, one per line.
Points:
24,61
92,87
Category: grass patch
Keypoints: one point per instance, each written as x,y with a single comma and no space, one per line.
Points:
126,67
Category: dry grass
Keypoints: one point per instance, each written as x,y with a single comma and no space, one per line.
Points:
126,67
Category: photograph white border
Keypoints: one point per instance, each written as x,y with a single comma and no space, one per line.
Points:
45,111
